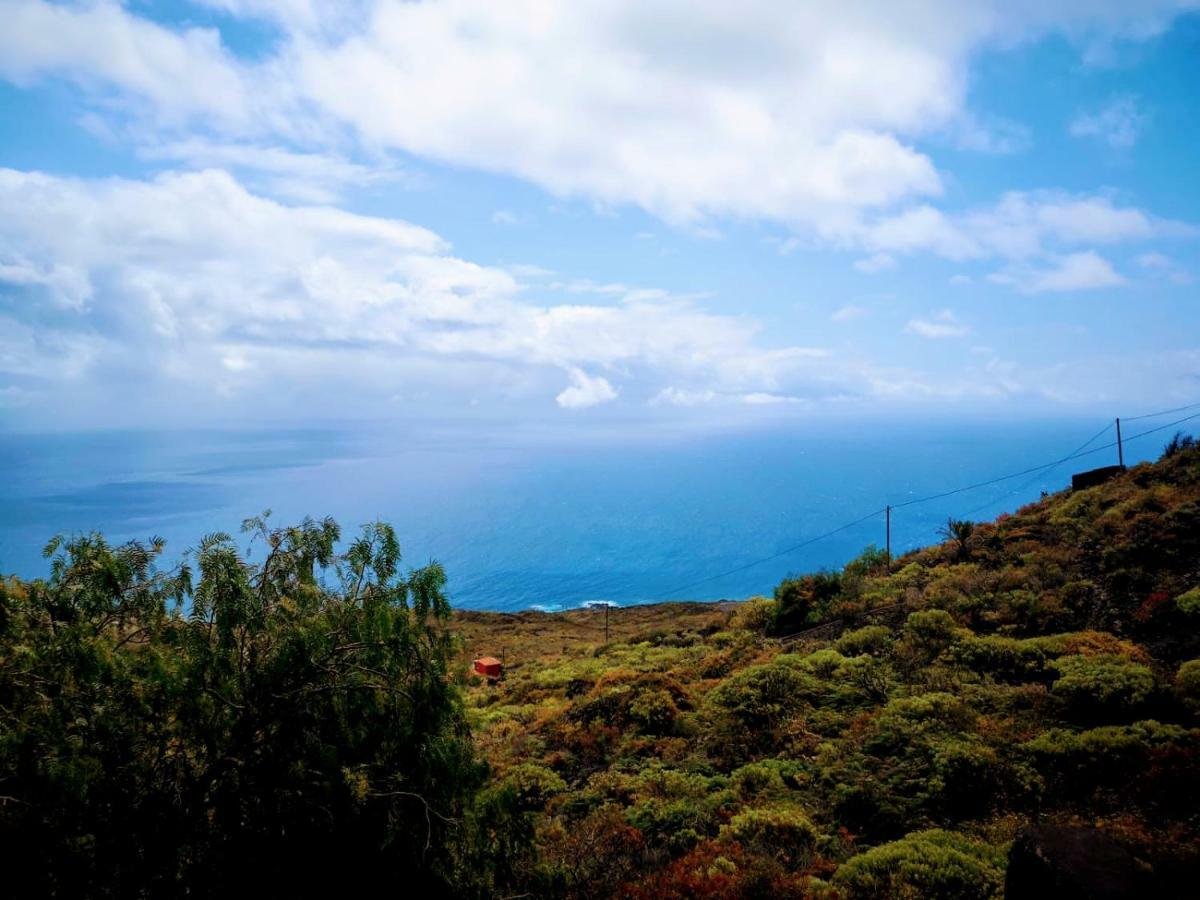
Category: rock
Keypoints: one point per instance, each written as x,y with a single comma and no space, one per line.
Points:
1068,862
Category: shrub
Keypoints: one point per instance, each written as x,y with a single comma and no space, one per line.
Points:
1189,602
872,639
768,778
927,864
1101,684
1006,659
934,628
1187,683
1077,762
532,785
783,832
756,614
802,601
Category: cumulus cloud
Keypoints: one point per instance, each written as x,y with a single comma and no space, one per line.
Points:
794,112
585,390
944,325
192,281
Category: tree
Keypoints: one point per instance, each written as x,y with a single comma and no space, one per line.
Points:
960,532
228,726
1179,443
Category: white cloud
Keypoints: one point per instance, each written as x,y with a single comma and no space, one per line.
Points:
585,390
794,112
192,283
848,313
1119,124
760,398
305,177
944,325
1159,265
673,396
505,217
1072,272
960,280
879,262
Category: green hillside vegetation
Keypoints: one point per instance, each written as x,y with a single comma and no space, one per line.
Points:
168,732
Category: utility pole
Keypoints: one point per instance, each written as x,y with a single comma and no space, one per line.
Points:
1120,449
606,607
889,538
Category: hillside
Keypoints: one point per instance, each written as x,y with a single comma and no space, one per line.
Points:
1021,702
1034,669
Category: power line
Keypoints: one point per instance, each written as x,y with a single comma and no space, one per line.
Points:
1162,412
773,556
1026,484
1077,454
1044,466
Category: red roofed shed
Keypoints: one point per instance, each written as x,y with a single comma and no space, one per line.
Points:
489,667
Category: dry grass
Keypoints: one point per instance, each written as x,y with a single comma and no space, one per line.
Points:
544,637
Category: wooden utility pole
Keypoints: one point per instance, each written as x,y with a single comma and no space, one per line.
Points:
1120,448
888,512
606,607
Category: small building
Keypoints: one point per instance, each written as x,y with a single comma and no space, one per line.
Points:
489,667
1093,477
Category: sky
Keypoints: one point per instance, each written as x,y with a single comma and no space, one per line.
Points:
595,211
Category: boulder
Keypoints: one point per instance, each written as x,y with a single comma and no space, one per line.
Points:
1069,862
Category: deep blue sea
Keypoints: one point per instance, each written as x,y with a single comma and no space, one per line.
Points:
527,520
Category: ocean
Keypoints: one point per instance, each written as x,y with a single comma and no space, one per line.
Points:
530,520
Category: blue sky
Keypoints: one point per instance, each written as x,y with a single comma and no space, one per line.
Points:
229,211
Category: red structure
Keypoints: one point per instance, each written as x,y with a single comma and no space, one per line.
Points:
490,667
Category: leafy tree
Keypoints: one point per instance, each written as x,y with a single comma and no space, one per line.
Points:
228,726
804,600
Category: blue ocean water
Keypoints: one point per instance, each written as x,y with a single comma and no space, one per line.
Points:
525,520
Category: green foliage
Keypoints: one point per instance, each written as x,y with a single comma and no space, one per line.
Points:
870,639
1004,658
237,742
873,559
1189,602
779,830
927,864
1187,682
298,718
1098,685
801,601
756,614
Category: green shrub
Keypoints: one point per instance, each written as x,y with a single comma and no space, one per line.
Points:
931,626
532,785
756,614
1189,602
1004,658
1101,684
767,778
1076,763
1187,683
783,832
927,864
870,639
803,601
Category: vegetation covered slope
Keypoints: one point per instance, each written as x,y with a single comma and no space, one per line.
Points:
1039,668
306,723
